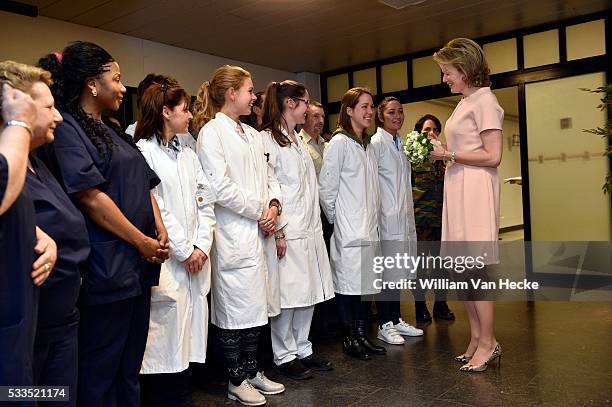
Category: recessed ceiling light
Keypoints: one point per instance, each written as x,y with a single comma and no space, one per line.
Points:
401,4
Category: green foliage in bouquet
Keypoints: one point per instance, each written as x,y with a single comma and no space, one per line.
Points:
417,147
606,130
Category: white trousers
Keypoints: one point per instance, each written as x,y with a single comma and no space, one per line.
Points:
290,332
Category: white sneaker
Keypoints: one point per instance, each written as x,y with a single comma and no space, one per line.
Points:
404,328
265,385
245,394
389,334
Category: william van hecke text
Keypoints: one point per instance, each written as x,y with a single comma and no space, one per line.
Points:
446,284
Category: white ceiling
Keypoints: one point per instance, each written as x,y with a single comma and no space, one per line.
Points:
311,35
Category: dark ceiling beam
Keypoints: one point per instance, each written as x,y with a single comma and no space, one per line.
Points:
16,7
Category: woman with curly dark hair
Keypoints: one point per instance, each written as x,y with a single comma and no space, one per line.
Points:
109,179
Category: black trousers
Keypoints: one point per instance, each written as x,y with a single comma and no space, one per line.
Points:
325,317
350,308
112,340
165,390
55,361
389,309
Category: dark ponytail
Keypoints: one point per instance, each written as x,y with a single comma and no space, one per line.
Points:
272,120
70,70
53,64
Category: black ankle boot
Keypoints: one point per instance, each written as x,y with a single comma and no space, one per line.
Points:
365,342
350,344
421,311
441,311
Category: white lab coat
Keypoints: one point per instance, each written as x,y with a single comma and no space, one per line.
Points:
350,199
186,139
178,325
243,284
397,226
305,273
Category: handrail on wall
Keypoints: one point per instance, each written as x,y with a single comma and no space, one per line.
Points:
586,155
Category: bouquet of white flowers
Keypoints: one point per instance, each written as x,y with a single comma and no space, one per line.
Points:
417,147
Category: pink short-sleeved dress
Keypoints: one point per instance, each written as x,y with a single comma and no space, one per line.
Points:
471,194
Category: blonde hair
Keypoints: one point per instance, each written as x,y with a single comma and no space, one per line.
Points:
211,95
467,56
22,76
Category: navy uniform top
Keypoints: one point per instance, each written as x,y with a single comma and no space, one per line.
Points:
115,269
18,295
60,219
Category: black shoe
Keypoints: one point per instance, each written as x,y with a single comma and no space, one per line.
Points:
421,311
441,311
365,342
295,370
316,364
351,346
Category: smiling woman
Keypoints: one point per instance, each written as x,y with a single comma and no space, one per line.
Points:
349,196
55,345
104,172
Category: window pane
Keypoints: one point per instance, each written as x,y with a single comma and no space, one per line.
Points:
541,48
501,55
365,78
394,77
586,40
425,72
332,121
337,87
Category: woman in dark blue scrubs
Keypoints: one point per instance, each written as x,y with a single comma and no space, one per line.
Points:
55,346
110,181
17,240
28,254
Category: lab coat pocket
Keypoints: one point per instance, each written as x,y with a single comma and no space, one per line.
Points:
294,219
355,227
234,244
390,224
169,284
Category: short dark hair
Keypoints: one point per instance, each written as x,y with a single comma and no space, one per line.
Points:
419,124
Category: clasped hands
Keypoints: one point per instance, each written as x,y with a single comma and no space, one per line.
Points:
155,250
267,222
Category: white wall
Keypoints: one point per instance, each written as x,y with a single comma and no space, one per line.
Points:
25,39
567,202
312,83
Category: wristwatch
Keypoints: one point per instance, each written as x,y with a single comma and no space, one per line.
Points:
275,202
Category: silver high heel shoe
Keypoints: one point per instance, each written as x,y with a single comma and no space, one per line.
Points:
462,358
497,354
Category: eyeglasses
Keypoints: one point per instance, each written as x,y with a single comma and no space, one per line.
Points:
302,100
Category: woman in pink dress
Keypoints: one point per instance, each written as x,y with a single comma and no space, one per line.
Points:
471,185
